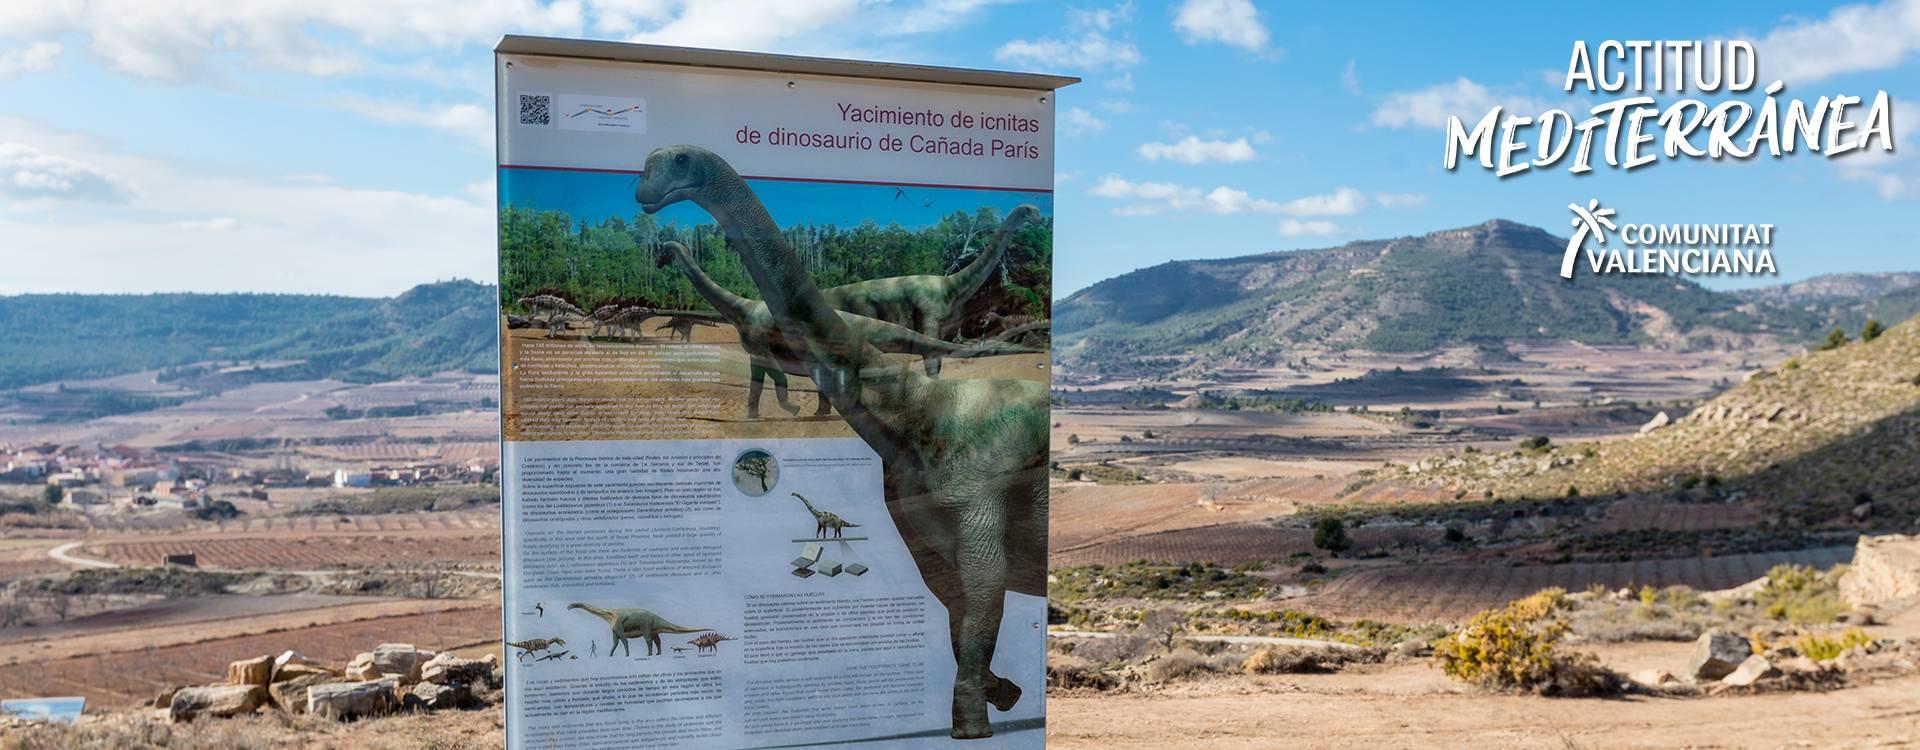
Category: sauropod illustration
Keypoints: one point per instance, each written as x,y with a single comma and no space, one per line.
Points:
634,623
964,460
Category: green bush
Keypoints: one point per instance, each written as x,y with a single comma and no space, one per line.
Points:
1871,330
1836,338
1331,535
1802,595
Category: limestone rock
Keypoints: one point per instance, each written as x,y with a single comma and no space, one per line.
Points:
434,697
1717,654
165,698
361,668
346,700
216,700
1884,569
254,671
291,694
1653,678
1754,669
290,664
400,660
447,669
1659,420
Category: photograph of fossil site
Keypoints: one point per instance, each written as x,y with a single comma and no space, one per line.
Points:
630,324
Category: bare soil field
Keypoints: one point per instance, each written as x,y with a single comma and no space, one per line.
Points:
235,551
1627,515
118,669
695,390
1104,523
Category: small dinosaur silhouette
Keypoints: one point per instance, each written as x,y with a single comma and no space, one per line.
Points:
708,641
536,644
825,520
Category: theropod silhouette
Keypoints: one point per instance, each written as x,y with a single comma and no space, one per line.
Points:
965,460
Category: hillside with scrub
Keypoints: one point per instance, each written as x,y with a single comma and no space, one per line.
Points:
1828,437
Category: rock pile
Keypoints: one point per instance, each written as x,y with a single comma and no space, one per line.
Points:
392,677
1723,661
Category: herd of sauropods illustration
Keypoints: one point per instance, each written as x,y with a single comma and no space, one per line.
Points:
964,459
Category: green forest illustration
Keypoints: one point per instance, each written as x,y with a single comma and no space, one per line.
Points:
551,252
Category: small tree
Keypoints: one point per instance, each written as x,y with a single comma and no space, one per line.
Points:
60,605
1164,626
1073,439
1871,330
1836,338
1331,535
53,494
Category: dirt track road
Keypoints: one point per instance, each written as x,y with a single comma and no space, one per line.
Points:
1879,715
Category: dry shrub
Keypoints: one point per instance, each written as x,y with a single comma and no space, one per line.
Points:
1068,672
1179,664
1289,660
1120,649
1516,647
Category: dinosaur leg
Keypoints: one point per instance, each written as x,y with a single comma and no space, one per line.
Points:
780,392
982,562
759,377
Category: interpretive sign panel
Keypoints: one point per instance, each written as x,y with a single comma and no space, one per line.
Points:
775,399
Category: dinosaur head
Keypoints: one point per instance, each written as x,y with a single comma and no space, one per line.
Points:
664,252
1024,213
674,174
559,641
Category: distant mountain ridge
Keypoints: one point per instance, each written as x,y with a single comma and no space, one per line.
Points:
449,325
1479,284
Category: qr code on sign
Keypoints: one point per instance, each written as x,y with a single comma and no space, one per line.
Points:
535,109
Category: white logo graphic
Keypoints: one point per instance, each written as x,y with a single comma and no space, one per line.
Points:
1587,221
600,113
1691,249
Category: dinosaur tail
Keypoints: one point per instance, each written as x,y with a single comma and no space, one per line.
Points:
667,627
968,279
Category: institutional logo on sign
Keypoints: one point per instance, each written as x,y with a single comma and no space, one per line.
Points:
1691,249
600,113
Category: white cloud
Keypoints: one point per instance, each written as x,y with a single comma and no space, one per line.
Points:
1350,77
1122,82
1077,121
1231,22
263,234
1311,228
1894,176
186,39
37,57
1116,106
1193,150
29,175
1851,39
1400,200
1091,50
470,122
1226,200
1430,107
1343,201
1089,44
759,25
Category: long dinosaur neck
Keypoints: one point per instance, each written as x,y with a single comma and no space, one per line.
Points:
789,292
732,306
803,501
968,279
596,611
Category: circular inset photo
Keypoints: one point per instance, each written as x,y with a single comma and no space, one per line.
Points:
755,472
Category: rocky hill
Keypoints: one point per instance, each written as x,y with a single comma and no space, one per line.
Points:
1833,287
1493,281
1828,437
430,328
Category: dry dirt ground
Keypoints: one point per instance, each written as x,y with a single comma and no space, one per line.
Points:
1411,707
572,387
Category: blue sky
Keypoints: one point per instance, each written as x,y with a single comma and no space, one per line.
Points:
594,196
346,146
